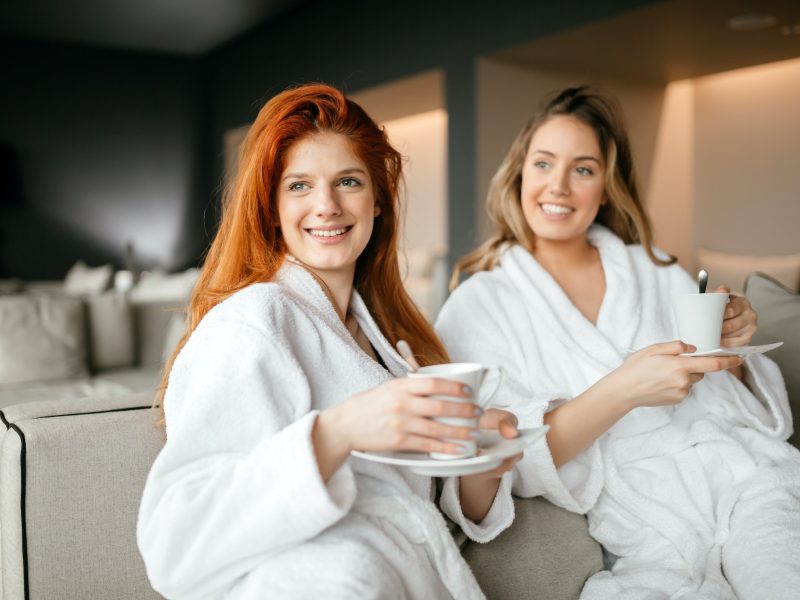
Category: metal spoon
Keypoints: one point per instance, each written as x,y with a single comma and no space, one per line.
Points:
405,351
702,280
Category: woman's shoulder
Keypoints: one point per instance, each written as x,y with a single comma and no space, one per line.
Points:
482,284
259,305
483,296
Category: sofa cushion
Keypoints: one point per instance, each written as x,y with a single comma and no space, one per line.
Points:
111,343
71,476
175,331
778,311
42,337
82,279
725,268
151,324
546,553
157,286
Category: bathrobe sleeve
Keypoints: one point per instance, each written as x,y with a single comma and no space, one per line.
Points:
761,399
483,322
237,479
499,517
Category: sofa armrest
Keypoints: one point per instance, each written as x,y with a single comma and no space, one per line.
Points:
71,477
547,552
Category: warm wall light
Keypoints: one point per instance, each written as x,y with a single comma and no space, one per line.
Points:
751,22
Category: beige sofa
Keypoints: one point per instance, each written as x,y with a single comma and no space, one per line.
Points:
72,472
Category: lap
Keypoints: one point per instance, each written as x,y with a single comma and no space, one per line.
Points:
760,557
323,569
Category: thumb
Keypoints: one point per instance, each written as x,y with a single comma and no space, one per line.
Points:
508,428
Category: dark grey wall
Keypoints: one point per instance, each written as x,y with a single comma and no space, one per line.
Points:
362,43
107,147
103,147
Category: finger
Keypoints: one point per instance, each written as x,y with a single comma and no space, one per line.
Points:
508,429
673,348
735,307
494,417
432,407
710,364
736,341
723,289
735,324
434,386
418,443
435,429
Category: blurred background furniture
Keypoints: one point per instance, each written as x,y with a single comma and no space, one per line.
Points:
778,309
76,338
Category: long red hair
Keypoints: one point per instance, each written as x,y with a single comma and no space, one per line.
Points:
248,247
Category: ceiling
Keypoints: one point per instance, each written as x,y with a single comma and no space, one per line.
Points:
186,27
668,41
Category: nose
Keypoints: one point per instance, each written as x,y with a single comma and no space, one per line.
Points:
559,182
327,204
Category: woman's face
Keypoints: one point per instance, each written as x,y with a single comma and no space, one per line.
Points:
326,204
563,180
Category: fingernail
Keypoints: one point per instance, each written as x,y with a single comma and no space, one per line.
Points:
475,434
467,390
478,411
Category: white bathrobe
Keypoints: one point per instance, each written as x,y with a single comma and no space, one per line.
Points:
677,493
234,506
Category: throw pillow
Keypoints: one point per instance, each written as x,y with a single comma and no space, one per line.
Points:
41,338
82,279
157,286
778,311
151,323
732,269
111,343
175,331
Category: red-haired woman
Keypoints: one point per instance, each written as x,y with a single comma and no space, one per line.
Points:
289,364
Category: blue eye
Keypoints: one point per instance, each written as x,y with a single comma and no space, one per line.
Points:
541,164
297,186
584,171
349,182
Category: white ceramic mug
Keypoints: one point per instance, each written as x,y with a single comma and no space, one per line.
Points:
699,318
471,374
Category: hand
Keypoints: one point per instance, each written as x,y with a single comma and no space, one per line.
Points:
396,416
477,492
659,376
739,322
506,424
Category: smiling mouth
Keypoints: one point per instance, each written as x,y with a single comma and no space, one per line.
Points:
324,233
555,209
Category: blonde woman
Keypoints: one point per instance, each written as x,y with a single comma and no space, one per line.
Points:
289,365
679,462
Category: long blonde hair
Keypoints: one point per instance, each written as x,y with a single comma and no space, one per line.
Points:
623,214
248,247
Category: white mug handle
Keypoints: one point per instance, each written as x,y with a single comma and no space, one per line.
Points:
501,377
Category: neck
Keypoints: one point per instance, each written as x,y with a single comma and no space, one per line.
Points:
564,254
338,285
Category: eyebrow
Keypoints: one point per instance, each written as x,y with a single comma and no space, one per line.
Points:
339,174
576,159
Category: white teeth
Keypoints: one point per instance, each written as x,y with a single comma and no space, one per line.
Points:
556,209
327,232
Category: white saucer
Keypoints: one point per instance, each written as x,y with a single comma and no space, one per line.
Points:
492,449
740,351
